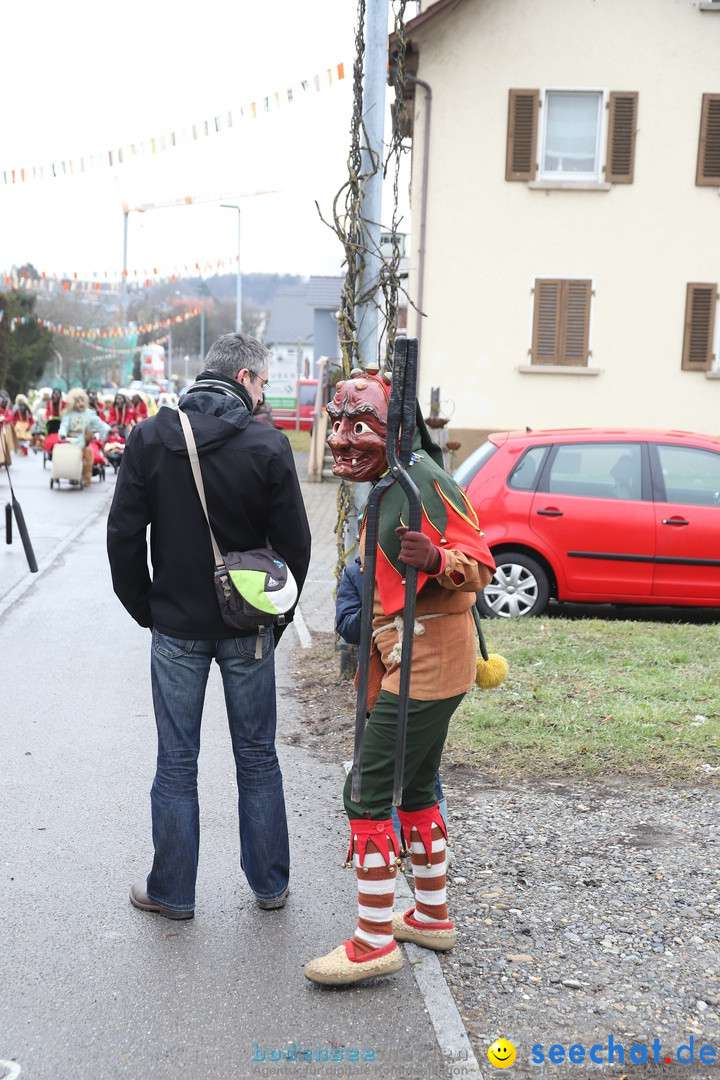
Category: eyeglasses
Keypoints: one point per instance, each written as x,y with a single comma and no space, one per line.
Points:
263,382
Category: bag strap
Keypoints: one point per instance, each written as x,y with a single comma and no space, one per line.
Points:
197,476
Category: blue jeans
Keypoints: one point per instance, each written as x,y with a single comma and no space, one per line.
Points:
179,672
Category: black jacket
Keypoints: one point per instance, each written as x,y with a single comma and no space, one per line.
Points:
253,499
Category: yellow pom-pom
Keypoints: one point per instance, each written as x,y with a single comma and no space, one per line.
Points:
491,672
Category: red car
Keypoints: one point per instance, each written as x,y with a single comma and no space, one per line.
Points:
597,515
301,418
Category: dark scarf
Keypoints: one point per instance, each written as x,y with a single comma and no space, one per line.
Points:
221,384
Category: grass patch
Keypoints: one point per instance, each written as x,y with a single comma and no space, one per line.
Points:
594,697
299,440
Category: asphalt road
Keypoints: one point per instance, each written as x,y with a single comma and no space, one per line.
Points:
92,988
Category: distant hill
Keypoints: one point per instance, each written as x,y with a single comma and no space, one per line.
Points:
257,289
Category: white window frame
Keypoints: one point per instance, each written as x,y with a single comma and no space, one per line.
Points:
714,372
571,178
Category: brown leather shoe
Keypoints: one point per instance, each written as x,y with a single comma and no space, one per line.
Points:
273,905
140,899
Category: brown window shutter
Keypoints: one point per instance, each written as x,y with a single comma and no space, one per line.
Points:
523,108
576,322
708,165
622,129
699,327
561,321
546,322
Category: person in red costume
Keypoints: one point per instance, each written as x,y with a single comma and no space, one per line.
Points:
96,404
121,415
453,563
141,409
54,411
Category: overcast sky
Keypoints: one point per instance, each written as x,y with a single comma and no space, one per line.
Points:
85,76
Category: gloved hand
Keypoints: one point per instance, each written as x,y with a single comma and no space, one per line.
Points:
418,550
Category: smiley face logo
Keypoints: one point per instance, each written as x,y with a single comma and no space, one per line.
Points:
502,1054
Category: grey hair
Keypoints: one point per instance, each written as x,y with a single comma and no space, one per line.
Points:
233,352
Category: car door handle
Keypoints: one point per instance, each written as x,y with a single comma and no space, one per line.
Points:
675,521
550,513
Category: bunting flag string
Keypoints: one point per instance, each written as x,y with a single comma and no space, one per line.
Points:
108,280
92,334
105,353
188,134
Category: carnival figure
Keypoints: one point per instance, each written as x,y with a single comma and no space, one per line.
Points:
453,563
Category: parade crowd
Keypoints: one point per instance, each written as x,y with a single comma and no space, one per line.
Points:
98,423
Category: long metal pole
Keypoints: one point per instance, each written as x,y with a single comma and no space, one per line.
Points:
405,362
238,298
401,415
123,283
367,316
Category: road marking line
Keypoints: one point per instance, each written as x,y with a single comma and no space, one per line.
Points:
302,631
13,1069
449,1029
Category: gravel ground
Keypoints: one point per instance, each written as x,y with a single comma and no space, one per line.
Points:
584,911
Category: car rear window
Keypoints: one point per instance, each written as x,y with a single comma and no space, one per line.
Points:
524,476
472,465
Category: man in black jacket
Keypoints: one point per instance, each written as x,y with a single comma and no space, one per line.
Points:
254,500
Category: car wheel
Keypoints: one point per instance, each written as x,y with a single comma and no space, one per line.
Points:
520,587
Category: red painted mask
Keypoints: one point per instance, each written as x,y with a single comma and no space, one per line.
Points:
358,413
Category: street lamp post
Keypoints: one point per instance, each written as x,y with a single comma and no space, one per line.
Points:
238,301
123,283
203,294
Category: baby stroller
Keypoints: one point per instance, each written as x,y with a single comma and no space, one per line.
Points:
114,447
66,464
51,439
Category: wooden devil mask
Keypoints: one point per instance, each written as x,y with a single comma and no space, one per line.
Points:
358,413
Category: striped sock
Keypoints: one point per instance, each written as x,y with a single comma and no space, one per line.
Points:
429,876
376,896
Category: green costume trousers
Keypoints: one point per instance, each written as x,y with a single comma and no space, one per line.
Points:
428,723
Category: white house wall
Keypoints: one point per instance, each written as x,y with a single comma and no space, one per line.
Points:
487,239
